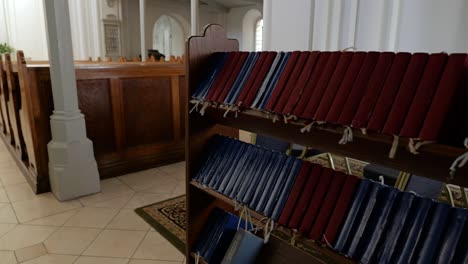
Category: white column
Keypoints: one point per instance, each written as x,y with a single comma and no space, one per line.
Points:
142,30
72,166
194,17
267,21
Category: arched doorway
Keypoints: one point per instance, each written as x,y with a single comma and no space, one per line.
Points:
168,36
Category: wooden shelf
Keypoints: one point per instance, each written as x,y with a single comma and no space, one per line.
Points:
433,161
307,245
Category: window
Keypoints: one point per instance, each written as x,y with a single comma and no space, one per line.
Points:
259,35
112,38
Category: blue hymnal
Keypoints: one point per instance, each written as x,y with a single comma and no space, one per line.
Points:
231,153
250,174
241,78
221,184
453,235
217,62
272,168
274,80
253,185
243,161
244,248
265,82
245,171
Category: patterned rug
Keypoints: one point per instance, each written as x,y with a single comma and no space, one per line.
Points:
168,218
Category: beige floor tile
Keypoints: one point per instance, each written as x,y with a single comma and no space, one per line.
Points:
5,228
54,220
19,192
142,199
71,240
162,184
175,170
156,247
31,252
7,214
8,257
115,243
179,190
100,260
110,189
41,206
127,219
12,176
3,196
143,261
116,203
53,259
92,217
24,236
143,180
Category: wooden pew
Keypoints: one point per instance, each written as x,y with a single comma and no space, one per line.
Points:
4,98
133,114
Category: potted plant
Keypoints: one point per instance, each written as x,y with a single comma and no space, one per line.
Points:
5,48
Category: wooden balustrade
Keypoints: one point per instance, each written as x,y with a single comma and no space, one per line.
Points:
133,114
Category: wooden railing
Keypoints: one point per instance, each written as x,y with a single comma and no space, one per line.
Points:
133,114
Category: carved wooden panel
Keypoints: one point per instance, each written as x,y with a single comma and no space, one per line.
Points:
95,103
148,111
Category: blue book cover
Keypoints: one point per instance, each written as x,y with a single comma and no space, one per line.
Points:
222,159
274,80
249,175
282,190
212,151
265,82
215,218
243,161
461,254
216,161
244,248
273,168
252,186
246,171
432,233
244,79
272,178
376,225
457,221
223,169
222,182
241,78
217,60
377,191
412,231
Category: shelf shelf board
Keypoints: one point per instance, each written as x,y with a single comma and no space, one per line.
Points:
433,161
312,247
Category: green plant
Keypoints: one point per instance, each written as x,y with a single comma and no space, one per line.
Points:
5,48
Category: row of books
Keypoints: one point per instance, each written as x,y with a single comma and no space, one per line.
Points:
416,95
365,220
224,240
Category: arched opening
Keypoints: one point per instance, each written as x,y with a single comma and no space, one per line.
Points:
259,35
168,36
249,26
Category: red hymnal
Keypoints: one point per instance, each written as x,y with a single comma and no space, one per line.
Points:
454,70
285,96
248,84
327,206
318,80
306,194
298,186
344,107
260,78
345,66
346,85
223,75
233,77
424,93
406,94
282,81
389,90
340,210
316,202
301,81
374,87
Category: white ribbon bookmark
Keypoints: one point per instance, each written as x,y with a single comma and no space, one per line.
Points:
347,136
394,148
460,161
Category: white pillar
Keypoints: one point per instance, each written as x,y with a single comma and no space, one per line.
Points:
72,166
267,21
194,17
142,30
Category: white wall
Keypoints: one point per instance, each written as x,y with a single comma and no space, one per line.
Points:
398,25
240,25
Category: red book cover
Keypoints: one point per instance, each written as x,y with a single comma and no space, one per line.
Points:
326,61
367,104
248,84
317,200
341,209
223,75
232,77
283,99
406,93
424,93
306,194
259,78
301,82
343,68
281,84
346,85
389,90
344,107
296,190
456,68
327,206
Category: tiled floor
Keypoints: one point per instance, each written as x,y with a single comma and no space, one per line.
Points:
96,229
